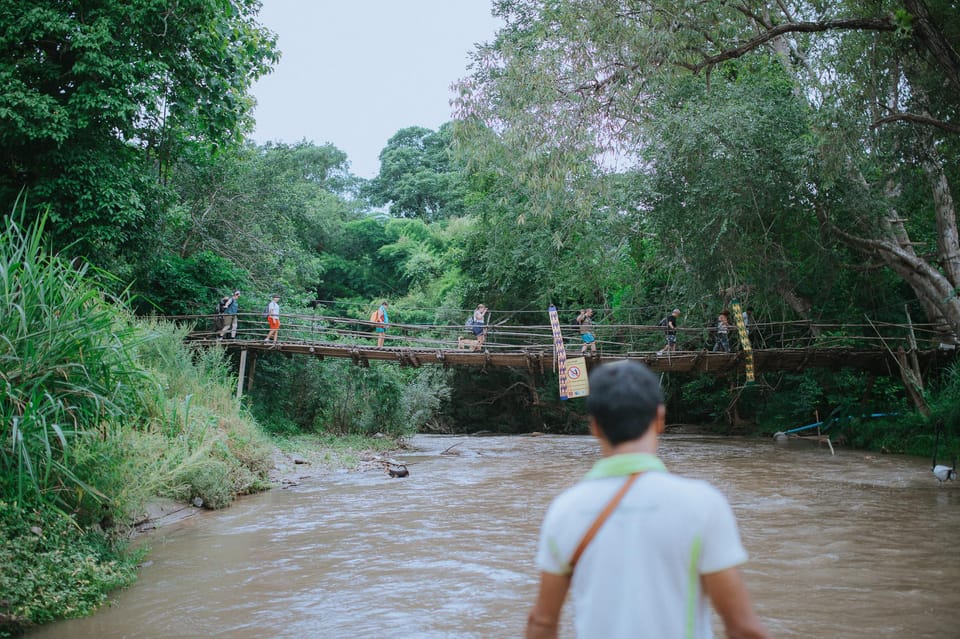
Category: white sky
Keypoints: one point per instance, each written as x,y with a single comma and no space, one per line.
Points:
354,72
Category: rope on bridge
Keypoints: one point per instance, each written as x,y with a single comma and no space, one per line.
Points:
624,339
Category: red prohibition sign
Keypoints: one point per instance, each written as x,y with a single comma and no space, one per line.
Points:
573,372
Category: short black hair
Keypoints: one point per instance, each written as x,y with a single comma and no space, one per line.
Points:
624,397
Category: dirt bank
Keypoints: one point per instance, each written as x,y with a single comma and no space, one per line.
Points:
289,469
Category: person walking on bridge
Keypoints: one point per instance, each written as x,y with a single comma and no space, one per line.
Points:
722,344
640,551
479,327
230,316
382,320
585,322
273,320
670,323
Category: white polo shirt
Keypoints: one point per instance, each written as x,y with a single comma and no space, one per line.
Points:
640,576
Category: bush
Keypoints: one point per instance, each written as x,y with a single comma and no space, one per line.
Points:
98,412
207,479
52,569
65,369
338,397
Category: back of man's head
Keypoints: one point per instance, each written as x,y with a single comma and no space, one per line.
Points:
624,397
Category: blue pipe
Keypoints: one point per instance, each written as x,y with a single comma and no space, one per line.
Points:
830,422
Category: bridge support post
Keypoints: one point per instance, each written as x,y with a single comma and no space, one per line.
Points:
253,370
243,368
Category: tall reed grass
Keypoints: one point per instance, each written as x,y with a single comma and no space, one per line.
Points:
99,412
65,369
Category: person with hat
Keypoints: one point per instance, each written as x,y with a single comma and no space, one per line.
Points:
230,316
273,319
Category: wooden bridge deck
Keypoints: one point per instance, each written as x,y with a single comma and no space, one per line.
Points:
786,347
541,360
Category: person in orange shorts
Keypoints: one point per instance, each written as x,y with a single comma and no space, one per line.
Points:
273,319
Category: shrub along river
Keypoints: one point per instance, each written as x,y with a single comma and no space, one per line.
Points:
851,545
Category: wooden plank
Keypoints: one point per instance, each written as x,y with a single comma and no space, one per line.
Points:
682,362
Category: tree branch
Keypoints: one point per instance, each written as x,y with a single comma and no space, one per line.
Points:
917,119
856,24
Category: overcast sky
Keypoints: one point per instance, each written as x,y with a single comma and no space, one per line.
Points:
354,72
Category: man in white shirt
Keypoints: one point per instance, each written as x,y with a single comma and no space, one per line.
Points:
665,551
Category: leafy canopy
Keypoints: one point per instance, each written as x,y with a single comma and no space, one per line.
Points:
99,98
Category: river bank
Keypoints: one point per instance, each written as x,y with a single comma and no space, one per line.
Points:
294,460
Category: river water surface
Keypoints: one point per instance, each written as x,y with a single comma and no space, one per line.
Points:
852,545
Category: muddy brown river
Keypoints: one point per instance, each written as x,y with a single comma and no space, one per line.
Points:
846,546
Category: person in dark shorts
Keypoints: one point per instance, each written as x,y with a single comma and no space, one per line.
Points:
670,323
479,324
723,333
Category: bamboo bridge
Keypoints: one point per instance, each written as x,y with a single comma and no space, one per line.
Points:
882,349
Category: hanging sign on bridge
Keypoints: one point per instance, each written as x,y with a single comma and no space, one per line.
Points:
744,331
572,372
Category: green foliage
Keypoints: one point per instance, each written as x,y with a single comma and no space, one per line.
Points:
256,217
52,569
419,175
99,99
913,434
354,266
187,286
726,195
754,157
339,398
98,414
66,370
197,440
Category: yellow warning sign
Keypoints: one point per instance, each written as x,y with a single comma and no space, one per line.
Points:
577,383
572,372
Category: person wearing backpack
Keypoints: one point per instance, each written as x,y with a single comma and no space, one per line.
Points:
479,328
230,316
379,317
670,323
218,319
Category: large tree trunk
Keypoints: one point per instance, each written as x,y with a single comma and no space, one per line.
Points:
935,292
931,38
948,243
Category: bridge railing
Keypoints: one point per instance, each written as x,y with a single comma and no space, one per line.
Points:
611,338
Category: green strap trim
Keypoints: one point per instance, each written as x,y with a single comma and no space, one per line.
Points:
693,588
626,464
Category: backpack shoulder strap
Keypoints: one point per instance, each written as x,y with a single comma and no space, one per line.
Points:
601,518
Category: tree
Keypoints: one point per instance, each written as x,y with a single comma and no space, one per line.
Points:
879,83
419,176
255,216
101,98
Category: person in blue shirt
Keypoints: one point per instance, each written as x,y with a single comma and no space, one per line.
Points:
382,320
230,316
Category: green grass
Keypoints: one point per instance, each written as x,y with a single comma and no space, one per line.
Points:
99,413
53,569
334,451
